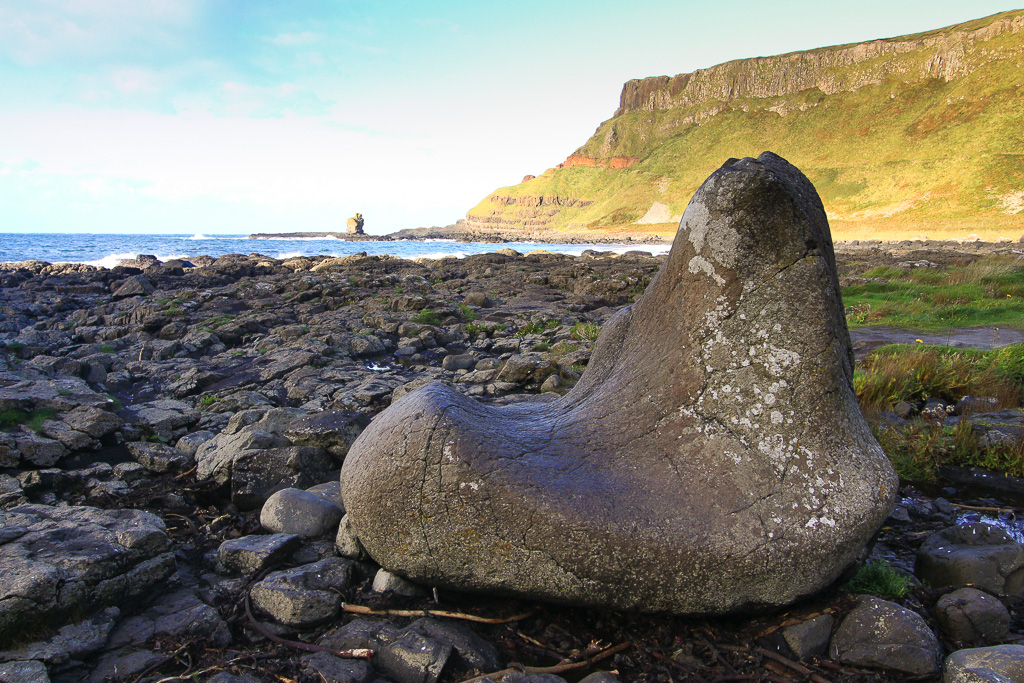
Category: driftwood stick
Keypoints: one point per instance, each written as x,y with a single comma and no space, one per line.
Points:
359,609
976,508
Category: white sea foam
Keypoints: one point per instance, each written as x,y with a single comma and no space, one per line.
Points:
199,236
437,254
112,260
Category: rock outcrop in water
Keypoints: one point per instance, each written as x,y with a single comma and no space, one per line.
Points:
712,458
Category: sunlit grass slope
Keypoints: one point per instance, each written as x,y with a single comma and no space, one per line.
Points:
897,158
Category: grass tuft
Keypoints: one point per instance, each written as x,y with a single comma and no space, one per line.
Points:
898,372
427,317
879,578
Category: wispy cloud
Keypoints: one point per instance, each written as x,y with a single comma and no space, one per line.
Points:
292,39
51,30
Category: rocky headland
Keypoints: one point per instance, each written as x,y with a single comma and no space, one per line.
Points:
909,99
465,232
172,437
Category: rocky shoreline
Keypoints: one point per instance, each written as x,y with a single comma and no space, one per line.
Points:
460,232
163,422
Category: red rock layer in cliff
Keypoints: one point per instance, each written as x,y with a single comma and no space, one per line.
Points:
610,162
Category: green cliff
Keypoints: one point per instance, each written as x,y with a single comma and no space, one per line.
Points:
920,134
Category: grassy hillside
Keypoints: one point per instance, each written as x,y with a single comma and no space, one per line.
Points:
899,155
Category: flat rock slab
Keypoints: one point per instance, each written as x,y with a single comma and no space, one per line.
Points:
712,459
58,560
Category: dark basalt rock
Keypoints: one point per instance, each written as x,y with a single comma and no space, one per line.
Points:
711,459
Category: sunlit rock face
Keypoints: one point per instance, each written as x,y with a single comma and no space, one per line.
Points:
712,459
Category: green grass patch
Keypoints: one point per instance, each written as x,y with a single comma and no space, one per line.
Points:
898,372
468,314
13,417
918,450
585,331
989,291
427,317
881,579
537,327
107,348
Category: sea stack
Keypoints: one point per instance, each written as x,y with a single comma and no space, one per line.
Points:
355,224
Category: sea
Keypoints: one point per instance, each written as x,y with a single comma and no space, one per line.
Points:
108,250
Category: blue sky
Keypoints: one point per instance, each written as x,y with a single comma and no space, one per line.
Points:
236,117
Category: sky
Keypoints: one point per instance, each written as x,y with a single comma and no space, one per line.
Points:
245,116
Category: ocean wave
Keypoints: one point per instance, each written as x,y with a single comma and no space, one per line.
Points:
113,260
199,236
435,254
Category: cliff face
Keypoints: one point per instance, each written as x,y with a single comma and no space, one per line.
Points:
941,55
908,130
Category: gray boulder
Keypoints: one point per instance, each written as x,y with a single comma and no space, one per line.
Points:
23,672
60,560
332,430
173,617
882,635
333,669
329,491
980,554
72,439
73,641
470,651
191,442
527,368
306,595
294,511
257,474
346,542
137,285
38,451
252,554
998,664
712,458
389,582
413,658
969,615
93,421
165,418
8,451
158,457
256,463
462,361
809,637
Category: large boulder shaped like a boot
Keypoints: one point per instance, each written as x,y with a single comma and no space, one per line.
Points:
712,458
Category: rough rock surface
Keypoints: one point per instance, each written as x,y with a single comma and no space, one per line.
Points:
304,595
881,634
985,664
979,554
294,511
56,560
969,615
712,459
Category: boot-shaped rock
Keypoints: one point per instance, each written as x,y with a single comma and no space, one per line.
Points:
712,458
